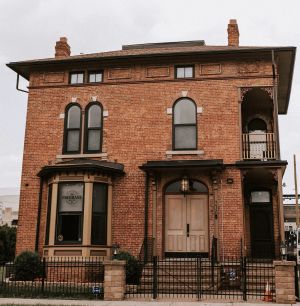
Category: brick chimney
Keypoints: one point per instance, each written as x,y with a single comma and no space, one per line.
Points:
62,48
233,33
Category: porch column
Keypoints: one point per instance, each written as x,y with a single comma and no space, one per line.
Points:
280,205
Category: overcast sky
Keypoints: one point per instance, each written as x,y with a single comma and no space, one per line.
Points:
29,30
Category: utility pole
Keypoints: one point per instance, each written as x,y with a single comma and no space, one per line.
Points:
296,193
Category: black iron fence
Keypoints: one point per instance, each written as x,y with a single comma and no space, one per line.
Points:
54,277
202,278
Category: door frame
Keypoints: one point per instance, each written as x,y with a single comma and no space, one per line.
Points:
267,206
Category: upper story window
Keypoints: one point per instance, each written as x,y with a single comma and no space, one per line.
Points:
72,133
93,128
184,72
95,77
184,125
76,77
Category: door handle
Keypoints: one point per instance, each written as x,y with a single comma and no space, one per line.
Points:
188,230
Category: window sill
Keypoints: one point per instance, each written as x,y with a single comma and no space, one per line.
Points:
183,152
99,155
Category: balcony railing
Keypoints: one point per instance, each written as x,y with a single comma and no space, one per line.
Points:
259,146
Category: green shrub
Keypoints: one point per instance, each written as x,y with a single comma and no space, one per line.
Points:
7,243
133,267
28,266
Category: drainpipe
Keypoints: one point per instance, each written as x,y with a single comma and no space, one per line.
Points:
17,84
146,217
37,237
154,208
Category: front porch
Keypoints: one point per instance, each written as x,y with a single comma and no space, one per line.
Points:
221,205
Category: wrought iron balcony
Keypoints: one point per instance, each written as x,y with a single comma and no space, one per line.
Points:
259,146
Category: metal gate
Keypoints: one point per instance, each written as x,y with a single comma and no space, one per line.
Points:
203,278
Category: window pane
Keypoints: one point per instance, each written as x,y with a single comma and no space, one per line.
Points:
188,72
73,78
185,137
69,228
180,72
184,112
98,77
70,197
99,229
94,140
73,141
74,117
94,116
80,78
99,198
197,186
99,218
174,187
95,77
92,78
260,197
77,78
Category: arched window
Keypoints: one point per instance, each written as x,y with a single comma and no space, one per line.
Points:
93,128
257,124
72,129
184,125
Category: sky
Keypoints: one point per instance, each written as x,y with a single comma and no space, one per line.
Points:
29,30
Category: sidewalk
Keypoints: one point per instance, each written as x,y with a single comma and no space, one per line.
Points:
5,301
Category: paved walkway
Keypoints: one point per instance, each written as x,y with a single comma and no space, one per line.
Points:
5,301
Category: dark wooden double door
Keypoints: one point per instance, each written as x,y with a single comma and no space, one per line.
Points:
262,230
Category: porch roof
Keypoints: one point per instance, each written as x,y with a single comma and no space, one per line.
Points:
156,165
83,165
255,163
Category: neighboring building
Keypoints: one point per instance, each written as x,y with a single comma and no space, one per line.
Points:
168,144
289,212
9,210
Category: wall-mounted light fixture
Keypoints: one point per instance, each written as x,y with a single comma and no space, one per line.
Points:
115,250
283,250
185,184
229,180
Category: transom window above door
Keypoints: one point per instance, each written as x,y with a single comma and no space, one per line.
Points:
260,197
194,186
184,125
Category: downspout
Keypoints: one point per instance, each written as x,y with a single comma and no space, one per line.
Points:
279,173
37,237
17,84
154,215
146,217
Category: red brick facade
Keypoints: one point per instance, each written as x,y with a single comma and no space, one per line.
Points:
137,94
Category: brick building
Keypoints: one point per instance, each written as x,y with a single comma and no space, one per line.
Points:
164,145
